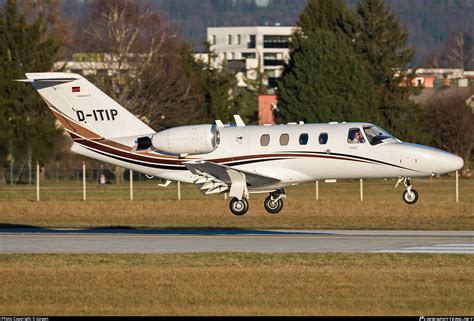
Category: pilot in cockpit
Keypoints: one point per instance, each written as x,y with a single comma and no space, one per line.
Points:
355,137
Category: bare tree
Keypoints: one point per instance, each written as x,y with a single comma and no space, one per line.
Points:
458,51
49,11
145,59
451,120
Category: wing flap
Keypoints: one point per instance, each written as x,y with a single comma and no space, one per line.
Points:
229,175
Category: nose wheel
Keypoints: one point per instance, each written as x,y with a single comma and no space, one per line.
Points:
410,195
274,202
239,207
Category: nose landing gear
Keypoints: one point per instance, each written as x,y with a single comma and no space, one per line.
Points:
410,195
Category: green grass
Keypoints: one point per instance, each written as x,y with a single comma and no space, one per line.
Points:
237,284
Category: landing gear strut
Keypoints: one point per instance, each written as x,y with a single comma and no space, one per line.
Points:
239,207
274,202
410,195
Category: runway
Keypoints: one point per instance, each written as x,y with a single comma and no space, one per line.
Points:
43,240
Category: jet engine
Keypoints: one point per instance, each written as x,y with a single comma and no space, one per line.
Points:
187,140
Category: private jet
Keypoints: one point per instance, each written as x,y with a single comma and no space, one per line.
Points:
235,159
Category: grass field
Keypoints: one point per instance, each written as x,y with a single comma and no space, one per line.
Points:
237,284
339,207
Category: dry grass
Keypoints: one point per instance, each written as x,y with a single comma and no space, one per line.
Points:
237,284
338,208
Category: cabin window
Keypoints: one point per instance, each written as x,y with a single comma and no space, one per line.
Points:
323,138
265,140
284,139
304,139
355,136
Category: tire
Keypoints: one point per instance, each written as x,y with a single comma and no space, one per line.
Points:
273,207
410,199
238,207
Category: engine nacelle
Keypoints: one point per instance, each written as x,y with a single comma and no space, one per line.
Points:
187,140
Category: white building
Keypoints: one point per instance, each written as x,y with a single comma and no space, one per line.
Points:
248,49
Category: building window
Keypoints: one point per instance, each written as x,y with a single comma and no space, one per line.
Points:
249,55
229,39
323,139
265,140
284,139
213,41
232,56
252,42
239,39
275,41
304,139
224,56
272,59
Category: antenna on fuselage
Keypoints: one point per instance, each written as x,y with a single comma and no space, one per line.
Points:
238,121
219,123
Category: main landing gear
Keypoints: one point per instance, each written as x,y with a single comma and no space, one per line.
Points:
273,203
239,207
410,195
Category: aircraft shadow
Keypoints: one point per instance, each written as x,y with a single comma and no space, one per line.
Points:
19,228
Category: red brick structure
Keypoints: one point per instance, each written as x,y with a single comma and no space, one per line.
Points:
265,106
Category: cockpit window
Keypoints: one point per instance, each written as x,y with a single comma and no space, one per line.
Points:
355,136
375,135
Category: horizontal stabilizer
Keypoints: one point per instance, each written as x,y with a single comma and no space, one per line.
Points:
55,80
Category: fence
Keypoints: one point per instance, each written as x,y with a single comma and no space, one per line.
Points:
66,183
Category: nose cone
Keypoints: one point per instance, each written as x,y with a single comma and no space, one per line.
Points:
448,162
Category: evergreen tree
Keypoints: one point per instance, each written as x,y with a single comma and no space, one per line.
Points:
330,15
381,42
221,97
326,81
27,127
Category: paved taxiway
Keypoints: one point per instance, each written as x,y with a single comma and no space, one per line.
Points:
43,240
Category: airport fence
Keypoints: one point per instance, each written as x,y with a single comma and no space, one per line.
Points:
57,182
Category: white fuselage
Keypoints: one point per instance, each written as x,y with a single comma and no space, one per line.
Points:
295,162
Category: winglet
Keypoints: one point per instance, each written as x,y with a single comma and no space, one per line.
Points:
238,121
23,80
219,123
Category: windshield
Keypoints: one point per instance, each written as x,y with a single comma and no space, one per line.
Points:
375,135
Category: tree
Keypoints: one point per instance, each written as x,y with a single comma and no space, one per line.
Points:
221,97
331,15
145,57
381,42
324,81
458,51
451,122
27,126
50,13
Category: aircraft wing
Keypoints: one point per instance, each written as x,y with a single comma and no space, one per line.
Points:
216,178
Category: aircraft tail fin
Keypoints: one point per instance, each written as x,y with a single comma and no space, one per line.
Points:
83,109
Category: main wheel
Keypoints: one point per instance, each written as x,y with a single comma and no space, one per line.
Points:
272,206
239,207
410,198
